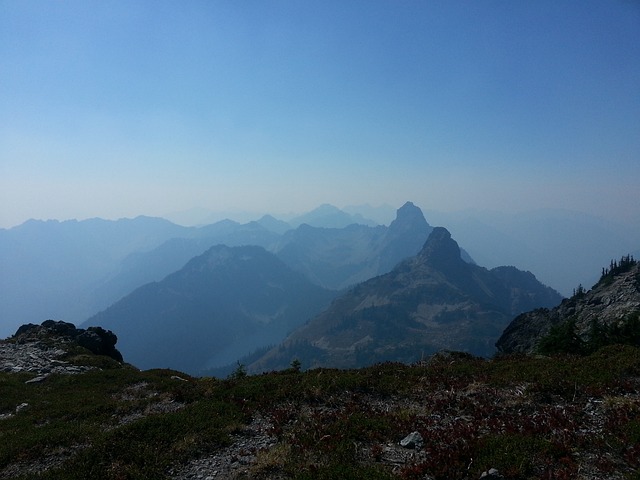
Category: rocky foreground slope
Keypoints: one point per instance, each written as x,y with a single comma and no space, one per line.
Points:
614,300
452,417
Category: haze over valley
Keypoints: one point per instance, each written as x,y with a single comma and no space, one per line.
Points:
198,299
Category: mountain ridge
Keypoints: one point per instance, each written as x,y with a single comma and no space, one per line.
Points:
229,299
429,302
612,300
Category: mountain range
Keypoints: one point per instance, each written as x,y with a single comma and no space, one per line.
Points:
71,270
338,258
564,248
49,269
432,301
190,299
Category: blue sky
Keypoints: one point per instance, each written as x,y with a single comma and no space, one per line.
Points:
121,108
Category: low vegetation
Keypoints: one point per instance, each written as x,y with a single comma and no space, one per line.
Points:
564,338
561,416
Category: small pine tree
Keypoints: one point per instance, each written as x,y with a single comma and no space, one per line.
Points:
579,292
562,338
599,336
239,372
296,365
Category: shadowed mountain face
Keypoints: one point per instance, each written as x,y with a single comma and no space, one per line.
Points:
430,302
222,305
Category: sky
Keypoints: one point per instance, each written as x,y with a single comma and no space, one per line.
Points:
120,108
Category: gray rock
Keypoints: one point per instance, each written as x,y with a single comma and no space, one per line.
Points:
413,440
37,379
492,473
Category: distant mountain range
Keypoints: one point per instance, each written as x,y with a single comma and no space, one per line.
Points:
327,257
70,270
339,258
430,302
328,216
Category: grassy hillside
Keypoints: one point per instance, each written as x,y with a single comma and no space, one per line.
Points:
527,417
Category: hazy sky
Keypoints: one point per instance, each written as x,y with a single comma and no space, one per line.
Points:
120,108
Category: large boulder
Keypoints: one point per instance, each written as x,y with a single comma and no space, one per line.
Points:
95,339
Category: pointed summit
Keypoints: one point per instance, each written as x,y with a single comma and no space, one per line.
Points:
409,217
440,250
406,233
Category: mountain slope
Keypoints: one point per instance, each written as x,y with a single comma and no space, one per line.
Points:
430,302
521,416
611,301
222,305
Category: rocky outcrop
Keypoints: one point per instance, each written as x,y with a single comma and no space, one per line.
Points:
95,339
612,300
37,358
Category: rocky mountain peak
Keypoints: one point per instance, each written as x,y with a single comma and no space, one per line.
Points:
408,217
440,250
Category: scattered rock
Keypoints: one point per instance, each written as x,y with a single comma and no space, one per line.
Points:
35,357
38,379
491,474
413,440
235,461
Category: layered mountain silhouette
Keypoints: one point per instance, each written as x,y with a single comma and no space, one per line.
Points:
432,301
73,269
613,300
220,306
334,258
142,267
339,258
563,248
